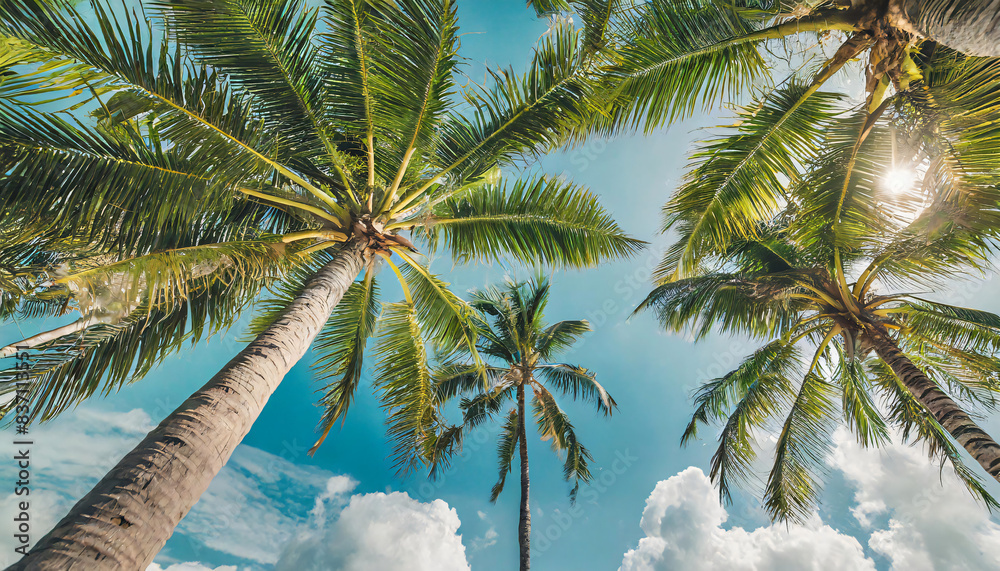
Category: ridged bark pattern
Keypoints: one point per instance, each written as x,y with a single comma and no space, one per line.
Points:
956,421
126,519
524,524
969,26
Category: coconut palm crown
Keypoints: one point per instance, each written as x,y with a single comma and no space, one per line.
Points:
268,134
165,179
519,348
831,286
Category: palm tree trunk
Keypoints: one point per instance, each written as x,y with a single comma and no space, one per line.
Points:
125,520
946,411
969,26
524,525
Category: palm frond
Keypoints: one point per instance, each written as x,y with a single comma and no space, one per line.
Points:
577,382
506,449
266,48
560,336
860,411
553,424
193,103
792,486
739,179
412,81
164,279
681,55
843,201
519,114
452,379
538,221
953,326
405,386
341,347
747,398
450,323
759,307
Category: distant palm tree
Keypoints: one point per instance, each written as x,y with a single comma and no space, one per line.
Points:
518,339
830,272
262,143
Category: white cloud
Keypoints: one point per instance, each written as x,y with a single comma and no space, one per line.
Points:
683,527
260,507
388,532
488,539
934,523
337,490
255,505
68,456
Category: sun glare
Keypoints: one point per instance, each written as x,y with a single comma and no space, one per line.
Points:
900,179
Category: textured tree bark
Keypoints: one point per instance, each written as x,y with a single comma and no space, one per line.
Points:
125,520
969,26
946,411
524,525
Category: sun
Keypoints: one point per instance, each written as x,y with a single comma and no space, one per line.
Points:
900,179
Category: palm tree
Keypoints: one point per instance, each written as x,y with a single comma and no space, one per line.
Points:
825,283
264,144
671,57
523,346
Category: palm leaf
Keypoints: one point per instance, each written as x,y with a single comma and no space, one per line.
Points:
506,448
738,180
577,382
560,336
792,486
539,221
405,386
341,346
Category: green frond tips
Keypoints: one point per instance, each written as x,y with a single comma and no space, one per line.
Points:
341,346
554,424
740,180
679,56
506,449
519,115
859,408
748,398
792,487
755,388
406,389
541,221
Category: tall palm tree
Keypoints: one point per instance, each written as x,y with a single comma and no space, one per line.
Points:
518,340
261,141
825,283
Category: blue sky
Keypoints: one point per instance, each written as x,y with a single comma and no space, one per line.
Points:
275,507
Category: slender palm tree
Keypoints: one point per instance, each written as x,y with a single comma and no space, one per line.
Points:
523,346
264,143
826,284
